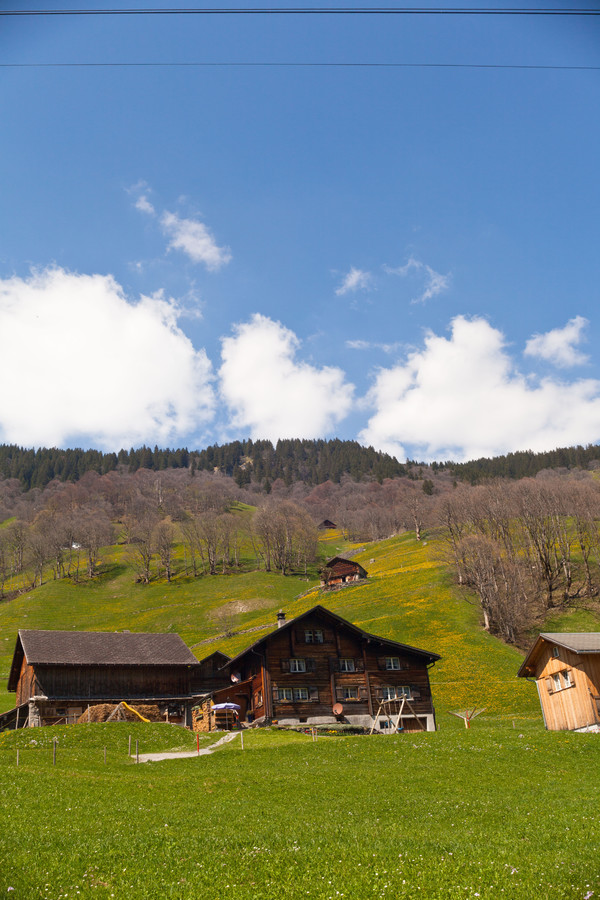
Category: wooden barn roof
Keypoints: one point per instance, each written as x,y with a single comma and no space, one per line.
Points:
342,566
577,642
335,619
98,648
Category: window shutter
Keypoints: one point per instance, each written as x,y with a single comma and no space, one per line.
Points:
415,691
285,665
311,664
359,665
275,693
313,693
362,692
379,693
381,662
339,693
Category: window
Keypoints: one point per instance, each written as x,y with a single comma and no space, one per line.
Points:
300,693
396,692
392,662
556,682
567,678
313,636
297,665
555,652
350,693
285,694
258,698
347,665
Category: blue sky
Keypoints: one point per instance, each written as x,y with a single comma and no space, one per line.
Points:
403,256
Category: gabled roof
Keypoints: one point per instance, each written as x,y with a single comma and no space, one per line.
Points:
337,620
218,655
98,648
576,642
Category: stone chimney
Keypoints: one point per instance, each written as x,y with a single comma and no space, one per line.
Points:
280,618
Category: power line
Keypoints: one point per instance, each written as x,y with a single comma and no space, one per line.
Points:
308,11
305,65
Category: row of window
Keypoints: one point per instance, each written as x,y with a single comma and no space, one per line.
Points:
346,692
560,680
345,664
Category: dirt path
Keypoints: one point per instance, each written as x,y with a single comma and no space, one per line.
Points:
184,754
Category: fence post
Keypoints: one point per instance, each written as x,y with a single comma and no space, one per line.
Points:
17,756
242,737
129,751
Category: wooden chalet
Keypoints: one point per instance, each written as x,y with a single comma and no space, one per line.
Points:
327,525
319,668
56,675
341,571
566,668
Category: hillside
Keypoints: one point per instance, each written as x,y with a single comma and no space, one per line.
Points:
410,597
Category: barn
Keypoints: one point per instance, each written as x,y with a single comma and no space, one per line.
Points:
56,675
341,571
319,668
566,668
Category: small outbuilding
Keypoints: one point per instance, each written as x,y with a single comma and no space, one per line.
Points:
326,525
341,571
566,668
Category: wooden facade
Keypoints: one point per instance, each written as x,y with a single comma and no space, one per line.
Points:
318,661
58,674
566,668
341,571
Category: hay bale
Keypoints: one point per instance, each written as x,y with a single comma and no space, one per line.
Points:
101,712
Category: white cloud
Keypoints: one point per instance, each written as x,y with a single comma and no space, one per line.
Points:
558,346
195,240
434,283
85,365
271,393
461,398
190,236
354,280
372,345
143,204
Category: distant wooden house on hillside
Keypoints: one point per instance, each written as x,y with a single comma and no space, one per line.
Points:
566,668
320,668
327,524
341,571
57,674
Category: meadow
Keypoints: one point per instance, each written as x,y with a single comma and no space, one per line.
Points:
491,812
504,809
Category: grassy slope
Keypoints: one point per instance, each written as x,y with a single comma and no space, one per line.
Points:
409,597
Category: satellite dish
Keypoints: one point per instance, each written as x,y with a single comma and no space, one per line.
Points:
236,676
338,709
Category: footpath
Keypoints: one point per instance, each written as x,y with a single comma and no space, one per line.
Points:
184,754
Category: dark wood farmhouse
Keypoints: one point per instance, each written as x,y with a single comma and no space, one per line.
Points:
319,668
327,524
341,571
566,668
57,674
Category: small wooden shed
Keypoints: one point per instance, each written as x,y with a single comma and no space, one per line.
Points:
341,571
566,668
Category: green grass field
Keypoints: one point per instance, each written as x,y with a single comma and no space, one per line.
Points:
492,812
504,809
